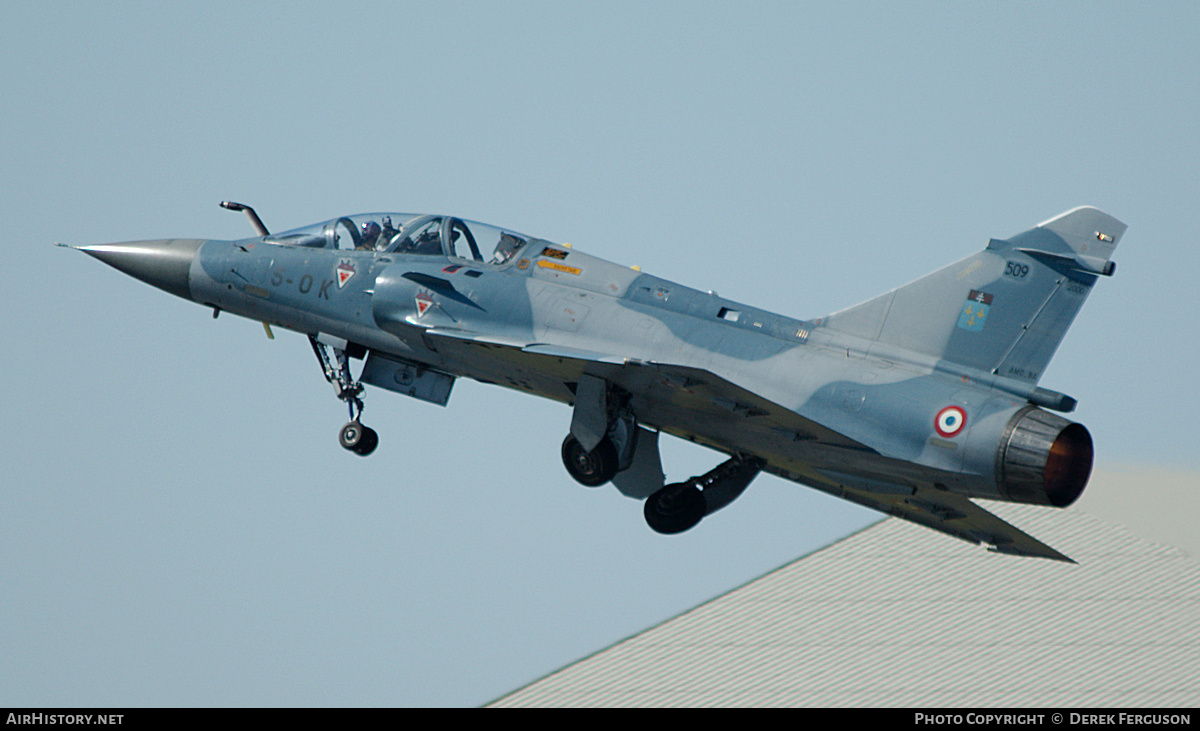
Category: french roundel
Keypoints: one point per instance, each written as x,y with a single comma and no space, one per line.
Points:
950,421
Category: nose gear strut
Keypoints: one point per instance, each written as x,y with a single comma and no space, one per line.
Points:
354,436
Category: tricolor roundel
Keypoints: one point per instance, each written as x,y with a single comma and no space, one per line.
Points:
950,421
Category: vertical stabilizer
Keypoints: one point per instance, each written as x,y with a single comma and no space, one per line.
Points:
1003,310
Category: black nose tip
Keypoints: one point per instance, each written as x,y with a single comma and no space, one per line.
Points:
163,263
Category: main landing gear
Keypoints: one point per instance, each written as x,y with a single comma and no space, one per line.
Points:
593,468
355,436
676,508
637,472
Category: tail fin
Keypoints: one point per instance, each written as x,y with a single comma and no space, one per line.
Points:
1003,310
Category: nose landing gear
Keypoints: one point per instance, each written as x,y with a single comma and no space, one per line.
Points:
359,439
354,436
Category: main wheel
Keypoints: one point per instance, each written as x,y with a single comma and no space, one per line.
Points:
592,468
675,508
359,439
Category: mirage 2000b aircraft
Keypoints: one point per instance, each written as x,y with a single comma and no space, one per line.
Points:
911,403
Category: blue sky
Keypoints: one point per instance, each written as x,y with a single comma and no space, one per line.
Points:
177,523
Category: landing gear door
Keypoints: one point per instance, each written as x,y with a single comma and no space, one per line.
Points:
645,475
410,379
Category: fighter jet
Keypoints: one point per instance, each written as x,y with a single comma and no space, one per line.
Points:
912,403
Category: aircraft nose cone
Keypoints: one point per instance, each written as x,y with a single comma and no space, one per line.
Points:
164,262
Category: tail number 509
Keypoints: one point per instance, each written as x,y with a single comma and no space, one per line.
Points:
1016,270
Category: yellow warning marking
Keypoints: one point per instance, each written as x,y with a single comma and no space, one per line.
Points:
970,269
545,264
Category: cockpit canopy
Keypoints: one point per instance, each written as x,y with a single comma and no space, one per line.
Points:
409,233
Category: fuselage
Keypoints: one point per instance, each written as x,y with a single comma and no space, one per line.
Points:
557,297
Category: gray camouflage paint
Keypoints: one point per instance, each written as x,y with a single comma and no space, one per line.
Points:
846,403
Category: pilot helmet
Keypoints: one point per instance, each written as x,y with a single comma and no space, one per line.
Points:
370,230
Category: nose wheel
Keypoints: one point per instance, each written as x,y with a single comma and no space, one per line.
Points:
359,439
354,436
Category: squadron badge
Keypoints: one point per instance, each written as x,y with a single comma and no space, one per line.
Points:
424,302
975,311
344,270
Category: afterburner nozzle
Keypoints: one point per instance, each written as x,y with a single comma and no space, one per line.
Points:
163,263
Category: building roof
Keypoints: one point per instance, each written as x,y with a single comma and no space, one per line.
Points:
898,615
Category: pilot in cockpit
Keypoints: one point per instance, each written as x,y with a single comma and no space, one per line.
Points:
428,242
368,237
388,235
